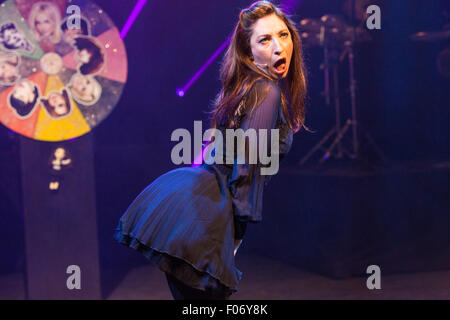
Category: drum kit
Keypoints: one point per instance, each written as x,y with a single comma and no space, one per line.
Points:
338,39
443,57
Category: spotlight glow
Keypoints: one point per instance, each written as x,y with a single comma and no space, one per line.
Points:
180,92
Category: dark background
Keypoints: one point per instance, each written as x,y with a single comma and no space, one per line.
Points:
402,101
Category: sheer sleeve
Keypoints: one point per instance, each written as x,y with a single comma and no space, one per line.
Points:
246,183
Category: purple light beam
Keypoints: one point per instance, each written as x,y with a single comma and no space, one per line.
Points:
182,91
288,5
133,15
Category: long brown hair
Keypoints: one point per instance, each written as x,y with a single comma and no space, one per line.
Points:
51,109
238,73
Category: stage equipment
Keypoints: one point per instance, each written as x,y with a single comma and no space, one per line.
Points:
338,39
443,58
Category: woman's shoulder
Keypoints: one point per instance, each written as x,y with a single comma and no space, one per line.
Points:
263,95
266,85
264,91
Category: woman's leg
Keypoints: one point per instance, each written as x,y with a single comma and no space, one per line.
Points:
181,291
240,227
237,243
177,292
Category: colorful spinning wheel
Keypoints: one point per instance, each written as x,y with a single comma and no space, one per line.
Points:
60,74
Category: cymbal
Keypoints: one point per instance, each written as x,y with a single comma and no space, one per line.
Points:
333,21
430,36
362,35
310,25
333,28
330,22
310,38
335,37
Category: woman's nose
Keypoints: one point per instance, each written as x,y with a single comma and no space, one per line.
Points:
277,49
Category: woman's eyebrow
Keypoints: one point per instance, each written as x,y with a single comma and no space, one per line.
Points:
265,35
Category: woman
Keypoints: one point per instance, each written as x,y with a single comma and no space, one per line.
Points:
24,98
57,104
85,89
90,55
14,39
9,68
44,20
191,221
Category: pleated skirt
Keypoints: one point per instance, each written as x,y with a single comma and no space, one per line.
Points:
183,223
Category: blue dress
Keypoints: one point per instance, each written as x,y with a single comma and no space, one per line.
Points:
183,221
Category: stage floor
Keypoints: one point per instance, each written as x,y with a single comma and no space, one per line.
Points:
267,279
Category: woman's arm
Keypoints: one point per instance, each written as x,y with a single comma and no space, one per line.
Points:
246,182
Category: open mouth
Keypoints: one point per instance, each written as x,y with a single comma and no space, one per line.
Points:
280,65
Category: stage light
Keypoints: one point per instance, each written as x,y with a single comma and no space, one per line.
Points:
180,93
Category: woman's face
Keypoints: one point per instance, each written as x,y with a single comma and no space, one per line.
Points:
271,44
12,37
84,56
7,70
83,86
24,92
44,24
58,102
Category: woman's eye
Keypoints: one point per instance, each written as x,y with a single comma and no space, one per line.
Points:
263,40
284,34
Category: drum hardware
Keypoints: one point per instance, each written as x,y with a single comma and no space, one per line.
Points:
338,40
